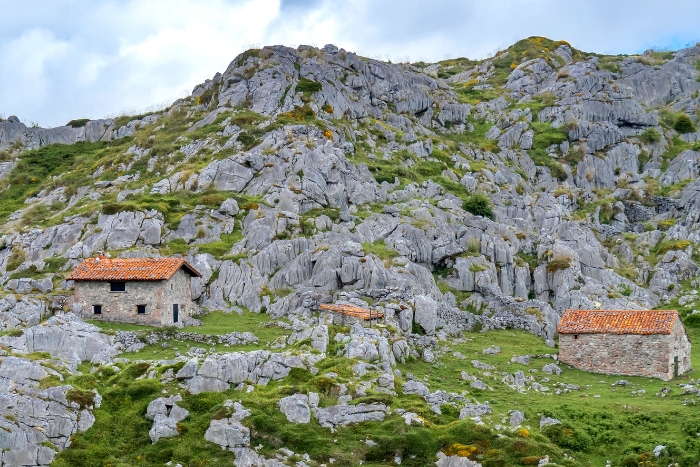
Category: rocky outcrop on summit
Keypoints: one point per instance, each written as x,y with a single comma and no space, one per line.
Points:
352,86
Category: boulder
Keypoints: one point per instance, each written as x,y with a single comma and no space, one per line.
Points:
516,418
474,410
426,313
340,415
296,408
230,432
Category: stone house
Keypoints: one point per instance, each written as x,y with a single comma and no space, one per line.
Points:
150,291
650,343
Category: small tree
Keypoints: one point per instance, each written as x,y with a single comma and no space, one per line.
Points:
479,205
684,124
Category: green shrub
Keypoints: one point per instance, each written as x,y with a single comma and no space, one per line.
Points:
684,124
307,86
693,321
78,123
566,436
479,205
82,398
650,136
625,290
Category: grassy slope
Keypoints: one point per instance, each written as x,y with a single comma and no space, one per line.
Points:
610,427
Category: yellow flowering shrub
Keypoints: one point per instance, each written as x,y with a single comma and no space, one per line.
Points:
461,450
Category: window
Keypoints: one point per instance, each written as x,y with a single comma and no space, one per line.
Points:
117,286
141,309
575,336
96,309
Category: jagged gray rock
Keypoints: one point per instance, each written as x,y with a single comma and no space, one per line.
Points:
296,408
341,415
230,432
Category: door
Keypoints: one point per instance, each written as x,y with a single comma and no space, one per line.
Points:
675,367
175,312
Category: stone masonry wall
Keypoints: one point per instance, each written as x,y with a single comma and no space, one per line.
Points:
627,354
158,296
680,347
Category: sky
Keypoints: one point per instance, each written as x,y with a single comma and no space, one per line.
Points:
69,59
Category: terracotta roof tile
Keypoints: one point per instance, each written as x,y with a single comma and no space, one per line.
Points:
617,321
130,269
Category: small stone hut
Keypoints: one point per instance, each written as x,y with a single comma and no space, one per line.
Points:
150,291
650,343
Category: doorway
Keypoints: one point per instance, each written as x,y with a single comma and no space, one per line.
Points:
175,312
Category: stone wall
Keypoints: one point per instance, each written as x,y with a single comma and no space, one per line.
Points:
158,296
680,347
627,354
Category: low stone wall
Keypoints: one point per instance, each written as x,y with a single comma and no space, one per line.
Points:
341,319
628,354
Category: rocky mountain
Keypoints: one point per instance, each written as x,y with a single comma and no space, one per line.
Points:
455,196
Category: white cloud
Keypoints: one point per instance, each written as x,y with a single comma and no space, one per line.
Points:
88,58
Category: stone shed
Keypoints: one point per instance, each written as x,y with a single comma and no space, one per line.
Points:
150,291
650,343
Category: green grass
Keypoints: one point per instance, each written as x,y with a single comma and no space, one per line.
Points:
616,423
109,326
37,167
213,323
218,322
614,426
477,137
220,248
379,249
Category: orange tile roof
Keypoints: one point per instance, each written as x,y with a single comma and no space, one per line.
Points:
617,321
130,269
354,311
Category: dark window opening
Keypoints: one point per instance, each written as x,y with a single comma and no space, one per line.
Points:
141,309
575,336
117,286
96,309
